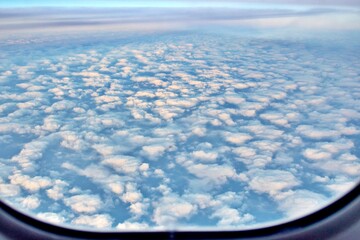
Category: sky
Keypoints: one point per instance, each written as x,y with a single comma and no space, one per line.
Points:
180,3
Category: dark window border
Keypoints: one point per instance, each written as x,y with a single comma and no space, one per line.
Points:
323,224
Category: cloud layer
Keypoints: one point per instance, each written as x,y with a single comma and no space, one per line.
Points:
179,130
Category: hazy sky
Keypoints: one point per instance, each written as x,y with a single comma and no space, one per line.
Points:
177,3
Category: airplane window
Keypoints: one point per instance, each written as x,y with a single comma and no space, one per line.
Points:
178,115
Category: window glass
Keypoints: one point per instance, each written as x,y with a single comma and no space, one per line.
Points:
162,115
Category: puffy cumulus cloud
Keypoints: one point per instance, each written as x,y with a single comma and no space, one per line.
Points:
31,152
275,118
199,131
316,154
97,221
30,202
289,202
230,217
107,99
9,190
212,174
271,181
72,141
336,146
131,194
201,200
51,124
182,103
170,210
339,185
138,208
84,203
153,151
58,189
51,217
236,138
316,133
263,131
62,105
234,99
266,145
226,118
99,175
132,226
339,166
244,152
31,184
205,156
122,163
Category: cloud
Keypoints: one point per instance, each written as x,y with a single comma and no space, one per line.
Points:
316,154
51,217
9,190
58,189
122,163
30,202
131,226
205,156
174,129
309,201
84,203
316,133
271,181
153,151
171,209
97,221
236,138
31,152
213,174
31,184
231,217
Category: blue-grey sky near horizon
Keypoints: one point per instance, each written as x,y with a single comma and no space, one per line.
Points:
187,115
175,3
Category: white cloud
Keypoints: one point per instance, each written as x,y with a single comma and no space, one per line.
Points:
71,140
244,152
171,209
271,181
131,226
60,105
122,163
205,156
316,133
30,202
84,203
316,154
57,191
231,217
236,138
30,184
275,118
30,153
51,217
9,190
213,174
132,194
153,151
309,201
97,221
